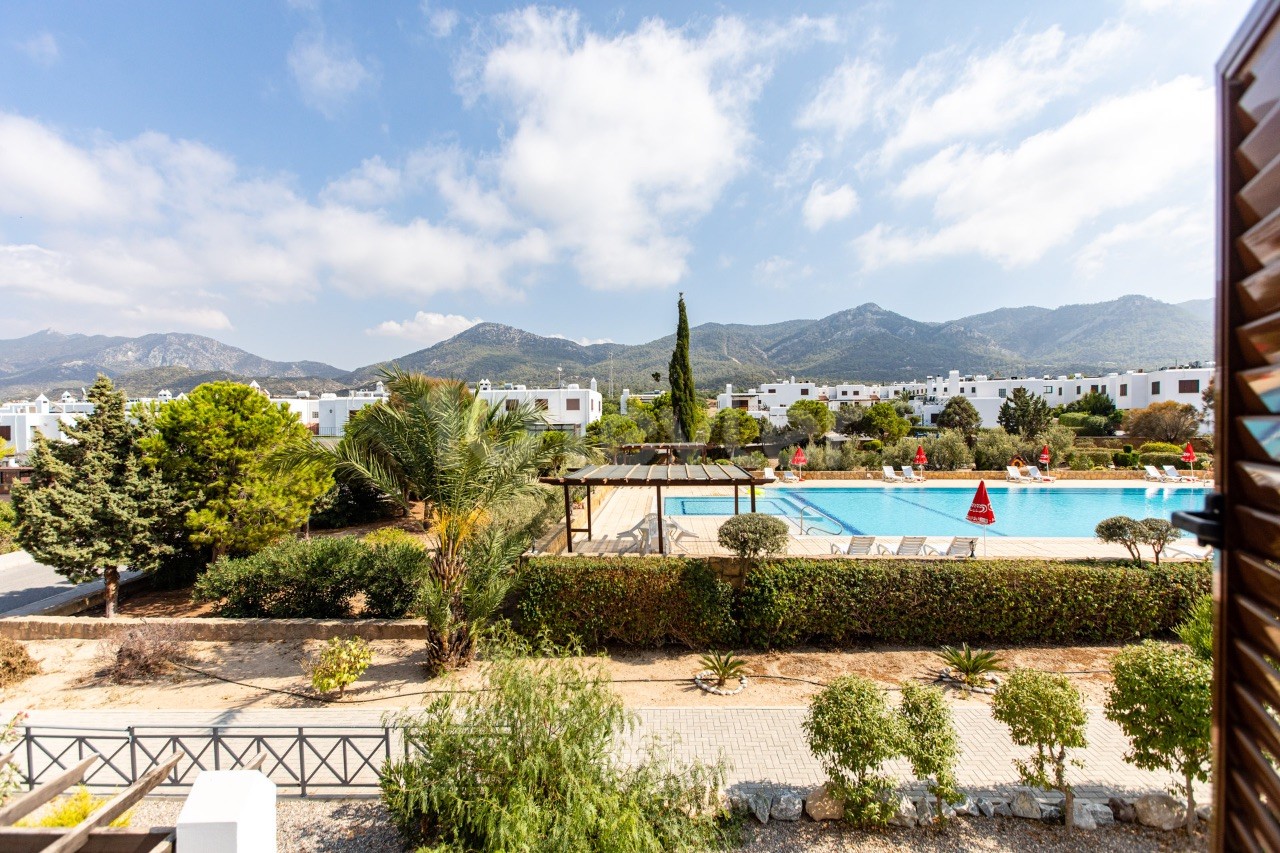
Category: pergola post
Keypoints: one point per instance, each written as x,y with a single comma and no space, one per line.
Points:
753,498
588,513
735,498
661,543
568,520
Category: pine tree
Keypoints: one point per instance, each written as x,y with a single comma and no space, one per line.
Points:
93,506
680,375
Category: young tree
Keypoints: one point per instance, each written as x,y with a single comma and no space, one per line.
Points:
994,449
733,428
883,420
1162,697
1045,712
1024,413
1157,533
930,740
684,399
611,432
850,417
1169,421
1122,530
1093,403
214,449
655,419
959,414
92,506
811,417
465,460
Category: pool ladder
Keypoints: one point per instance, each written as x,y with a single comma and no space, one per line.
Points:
815,528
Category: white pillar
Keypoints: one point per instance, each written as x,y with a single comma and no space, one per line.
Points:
229,811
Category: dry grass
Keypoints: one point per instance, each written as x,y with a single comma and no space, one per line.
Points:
15,663
142,653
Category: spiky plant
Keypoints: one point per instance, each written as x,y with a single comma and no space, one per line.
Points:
725,666
971,665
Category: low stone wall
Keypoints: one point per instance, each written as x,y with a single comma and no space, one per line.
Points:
212,630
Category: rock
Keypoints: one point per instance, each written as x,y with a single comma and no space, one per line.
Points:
1122,810
986,808
1002,808
925,815
1051,814
967,807
1205,812
1160,811
1026,805
787,805
1101,813
1082,816
906,814
820,805
760,803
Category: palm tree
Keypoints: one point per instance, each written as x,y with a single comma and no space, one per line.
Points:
462,458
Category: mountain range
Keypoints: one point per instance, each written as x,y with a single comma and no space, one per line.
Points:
866,343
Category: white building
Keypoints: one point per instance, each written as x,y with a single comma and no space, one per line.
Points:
332,411
569,408
1129,390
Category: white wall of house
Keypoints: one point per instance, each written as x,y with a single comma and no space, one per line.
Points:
570,408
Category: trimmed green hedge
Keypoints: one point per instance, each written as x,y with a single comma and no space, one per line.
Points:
791,601
643,601
787,602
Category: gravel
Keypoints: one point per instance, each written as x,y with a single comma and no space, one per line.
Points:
312,825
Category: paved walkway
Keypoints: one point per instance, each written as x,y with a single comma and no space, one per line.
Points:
28,587
761,746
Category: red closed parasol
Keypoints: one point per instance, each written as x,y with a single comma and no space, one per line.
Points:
921,459
799,460
1189,454
980,512
1044,456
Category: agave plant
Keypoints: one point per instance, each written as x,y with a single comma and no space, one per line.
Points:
724,666
971,665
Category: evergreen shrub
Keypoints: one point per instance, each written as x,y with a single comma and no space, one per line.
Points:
753,535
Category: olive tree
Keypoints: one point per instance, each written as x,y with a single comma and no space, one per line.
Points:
852,731
930,740
1045,712
811,417
1157,533
1122,530
1162,697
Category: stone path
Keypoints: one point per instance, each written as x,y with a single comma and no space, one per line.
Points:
761,746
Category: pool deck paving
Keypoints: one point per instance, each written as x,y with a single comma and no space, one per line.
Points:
761,747
625,507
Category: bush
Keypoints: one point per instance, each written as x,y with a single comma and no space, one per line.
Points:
1160,447
339,664
645,601
1093,458
527,764
8,528
392,536
930,740
753,534
73,809
1162,697
1161,459
308,579
392,576
1121,530
1197,630
16,664
754,461
873,445
1126,460
142,653
852,731
347,504
787,602
1045,712
994,449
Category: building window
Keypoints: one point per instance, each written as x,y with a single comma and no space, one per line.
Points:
1188,386
1059,390
1124,390
804,392
973,390
510,405
1000,392
856,393
1077,390
573,404
944,389
1048,390
1155,387
1093,389
540,404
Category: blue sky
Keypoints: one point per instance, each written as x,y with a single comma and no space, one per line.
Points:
349,182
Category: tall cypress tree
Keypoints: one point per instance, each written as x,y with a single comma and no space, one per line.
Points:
680,375
93,506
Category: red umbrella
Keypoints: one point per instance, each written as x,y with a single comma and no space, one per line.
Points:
921,459
980,512
1044,456
1189,454
799,459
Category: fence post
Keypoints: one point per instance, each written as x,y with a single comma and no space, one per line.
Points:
302,765
215,749
31,770
133,756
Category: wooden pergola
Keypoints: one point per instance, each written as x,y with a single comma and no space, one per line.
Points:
651,476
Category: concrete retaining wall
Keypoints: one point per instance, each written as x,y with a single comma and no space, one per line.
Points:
211,630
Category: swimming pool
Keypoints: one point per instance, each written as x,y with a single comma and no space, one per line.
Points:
906,511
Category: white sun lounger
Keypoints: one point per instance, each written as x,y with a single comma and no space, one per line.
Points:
1189,551
859,546
890,475
909,474
790,477
1014,475
1172,475
639,534
961,546
1153,474
1033,473
910,546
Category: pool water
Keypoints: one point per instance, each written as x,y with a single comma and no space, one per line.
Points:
905,511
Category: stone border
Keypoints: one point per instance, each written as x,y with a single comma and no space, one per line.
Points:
212,629
706,680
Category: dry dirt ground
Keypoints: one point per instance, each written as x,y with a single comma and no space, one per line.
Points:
69,676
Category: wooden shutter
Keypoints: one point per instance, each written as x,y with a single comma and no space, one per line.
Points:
1247,588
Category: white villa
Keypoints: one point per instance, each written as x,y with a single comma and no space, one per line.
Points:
569,409
1130,390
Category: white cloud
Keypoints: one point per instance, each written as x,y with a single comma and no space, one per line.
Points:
372,184
41,49
173,227
620,141
801,162
826,204
440,22
584,341
779,272
327,74
845,99
1170,229
1013,205
425,327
